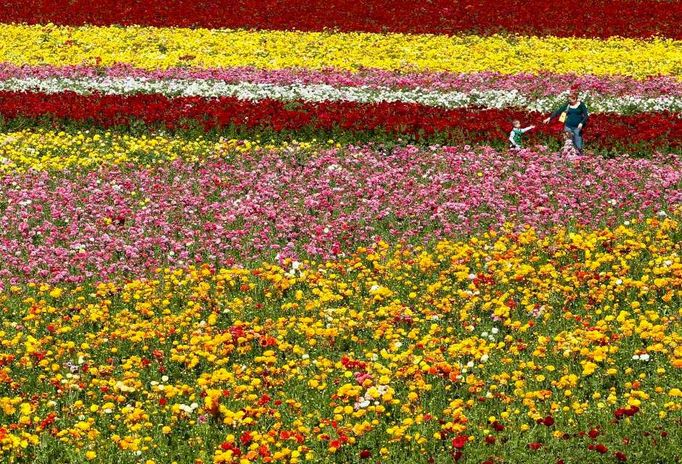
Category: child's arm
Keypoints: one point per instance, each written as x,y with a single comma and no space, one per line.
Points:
526,129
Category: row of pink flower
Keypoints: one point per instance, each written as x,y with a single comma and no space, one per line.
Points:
542,84
123,221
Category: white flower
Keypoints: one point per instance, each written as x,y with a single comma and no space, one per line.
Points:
485,358
495,330
362,404
185,408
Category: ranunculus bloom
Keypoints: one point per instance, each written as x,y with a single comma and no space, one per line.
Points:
600,448
460,441
497,426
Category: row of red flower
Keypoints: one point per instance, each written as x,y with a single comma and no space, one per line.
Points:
605,130
599,18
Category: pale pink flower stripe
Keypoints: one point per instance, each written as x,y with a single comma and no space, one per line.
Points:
125,221
539,85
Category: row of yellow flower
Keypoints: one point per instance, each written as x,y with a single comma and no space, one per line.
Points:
162,48
398,353
57,150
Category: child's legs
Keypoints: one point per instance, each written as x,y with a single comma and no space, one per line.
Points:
577,136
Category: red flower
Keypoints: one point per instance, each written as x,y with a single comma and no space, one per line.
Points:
49,420
601,448
644,19
246,438
490,440
365,454
594,433
620,456
548,421
535,445
459,441
606,130
225,446
631,411
497,426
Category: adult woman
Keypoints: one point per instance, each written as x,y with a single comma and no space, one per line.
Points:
576,117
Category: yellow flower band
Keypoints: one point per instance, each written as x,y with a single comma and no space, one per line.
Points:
162,48
52,150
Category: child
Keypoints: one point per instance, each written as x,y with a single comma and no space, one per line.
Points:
569,148
516,134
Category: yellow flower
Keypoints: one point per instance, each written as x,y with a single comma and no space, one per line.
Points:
161,48
56,292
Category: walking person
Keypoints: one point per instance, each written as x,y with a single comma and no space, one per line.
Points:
574,115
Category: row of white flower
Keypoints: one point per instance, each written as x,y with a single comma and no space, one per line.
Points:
208,88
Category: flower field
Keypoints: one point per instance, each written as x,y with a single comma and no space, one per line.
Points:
286,232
